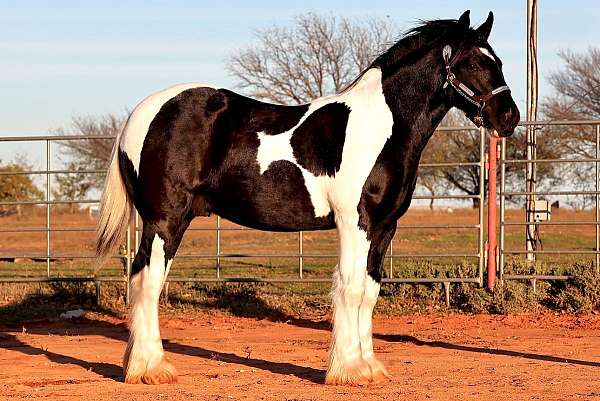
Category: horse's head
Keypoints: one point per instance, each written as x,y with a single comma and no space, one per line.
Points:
474,81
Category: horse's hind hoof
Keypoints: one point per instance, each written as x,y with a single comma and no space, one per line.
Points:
163,373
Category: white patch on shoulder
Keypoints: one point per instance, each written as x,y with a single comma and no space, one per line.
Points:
134,133
487,53
369,127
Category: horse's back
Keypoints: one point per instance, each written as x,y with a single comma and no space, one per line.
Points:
139,121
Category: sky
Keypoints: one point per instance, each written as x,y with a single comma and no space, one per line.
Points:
60,59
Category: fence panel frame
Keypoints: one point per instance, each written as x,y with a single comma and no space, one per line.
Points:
133,236
503,251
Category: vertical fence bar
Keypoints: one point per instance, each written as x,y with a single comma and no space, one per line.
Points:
491,221
392,257
481,202
136,233
128,264
218,247
300,251
502,206
597,199
48,207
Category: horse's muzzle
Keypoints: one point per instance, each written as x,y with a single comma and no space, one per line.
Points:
504,115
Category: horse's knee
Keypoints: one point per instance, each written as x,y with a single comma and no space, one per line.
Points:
371,293
352,295
345,292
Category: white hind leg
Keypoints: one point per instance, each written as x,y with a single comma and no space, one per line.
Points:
346,364
144,360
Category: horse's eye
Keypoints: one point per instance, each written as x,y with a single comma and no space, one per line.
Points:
473,67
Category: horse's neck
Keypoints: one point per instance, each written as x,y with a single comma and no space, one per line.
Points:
416,100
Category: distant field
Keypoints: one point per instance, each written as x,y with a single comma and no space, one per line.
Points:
407,241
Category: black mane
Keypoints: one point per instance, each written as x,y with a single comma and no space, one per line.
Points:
421,38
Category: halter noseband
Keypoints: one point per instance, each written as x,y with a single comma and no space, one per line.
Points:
464,90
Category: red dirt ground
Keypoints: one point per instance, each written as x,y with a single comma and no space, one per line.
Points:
221,357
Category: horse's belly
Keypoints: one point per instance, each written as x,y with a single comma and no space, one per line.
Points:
279,199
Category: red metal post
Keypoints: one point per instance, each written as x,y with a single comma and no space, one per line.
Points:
491,227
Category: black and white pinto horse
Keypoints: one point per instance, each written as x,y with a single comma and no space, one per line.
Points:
347,161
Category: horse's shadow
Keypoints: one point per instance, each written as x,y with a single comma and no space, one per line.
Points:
259,310
119,332
107,370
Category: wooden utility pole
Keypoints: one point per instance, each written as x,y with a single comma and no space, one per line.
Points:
532,98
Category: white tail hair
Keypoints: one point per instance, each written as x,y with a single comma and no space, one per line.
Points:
115,208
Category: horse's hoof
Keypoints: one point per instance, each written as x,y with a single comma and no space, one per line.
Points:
356,374
163,373
379,373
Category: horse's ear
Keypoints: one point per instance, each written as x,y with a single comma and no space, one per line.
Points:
465,19
484,30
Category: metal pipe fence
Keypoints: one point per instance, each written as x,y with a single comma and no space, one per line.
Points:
220,257
505,223
302,257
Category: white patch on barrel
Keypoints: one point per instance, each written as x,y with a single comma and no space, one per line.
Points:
134,134
273,148
278,147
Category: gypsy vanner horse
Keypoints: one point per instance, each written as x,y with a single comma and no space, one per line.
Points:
347,161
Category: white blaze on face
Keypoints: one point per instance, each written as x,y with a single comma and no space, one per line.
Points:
487,53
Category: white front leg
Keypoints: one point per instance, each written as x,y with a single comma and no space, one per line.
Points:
346,364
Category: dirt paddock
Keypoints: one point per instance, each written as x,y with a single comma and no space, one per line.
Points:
221,357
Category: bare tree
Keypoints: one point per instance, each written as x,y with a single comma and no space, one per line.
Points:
72,186
93,153
317,56
576,97
577,87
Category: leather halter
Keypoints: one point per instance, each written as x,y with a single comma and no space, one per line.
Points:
478,100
